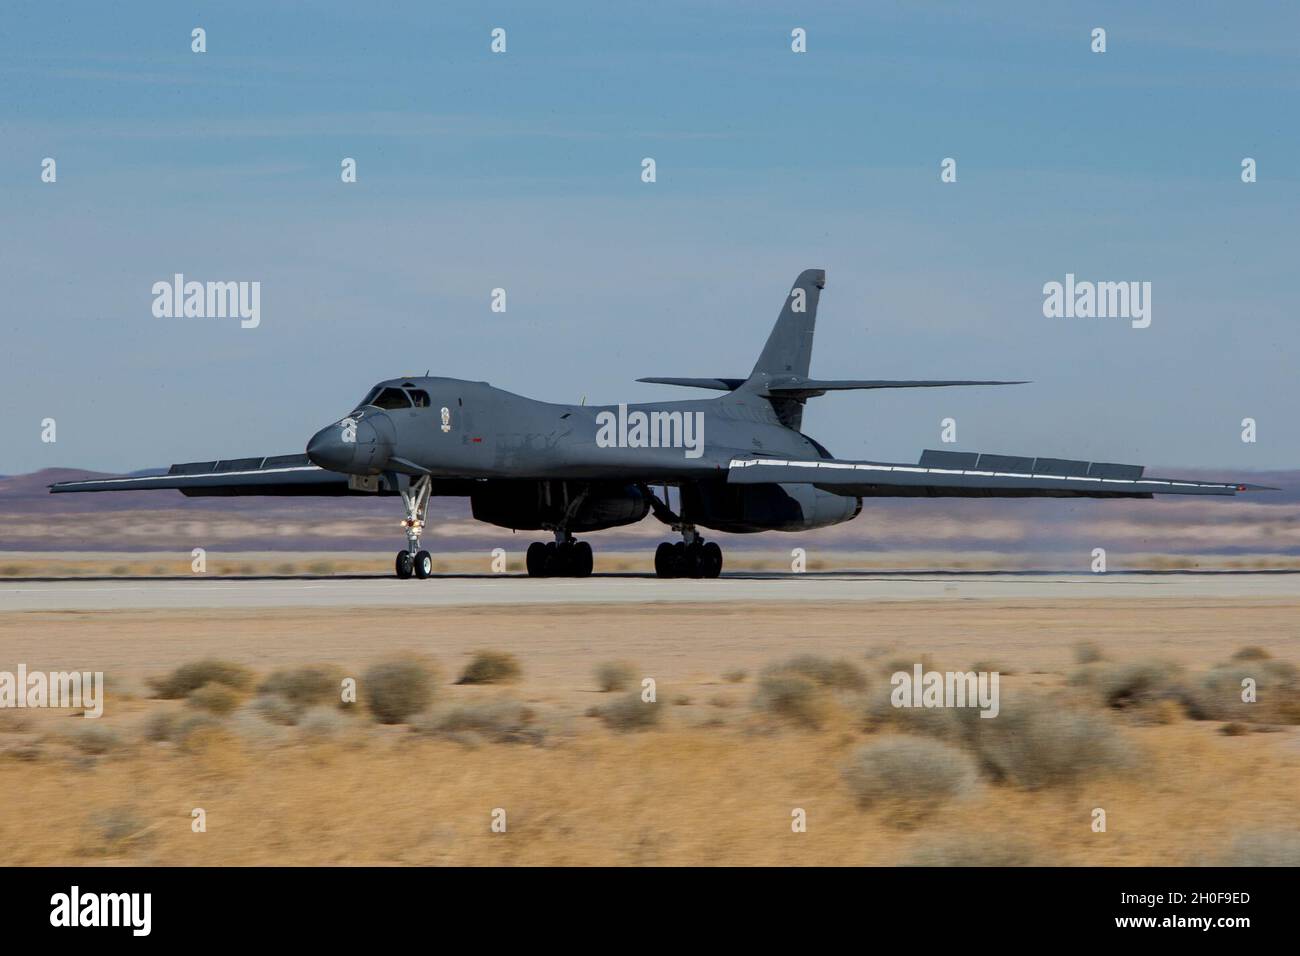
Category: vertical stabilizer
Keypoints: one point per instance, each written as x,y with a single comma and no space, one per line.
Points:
789,347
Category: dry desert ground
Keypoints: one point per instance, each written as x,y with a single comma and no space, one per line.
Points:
764,715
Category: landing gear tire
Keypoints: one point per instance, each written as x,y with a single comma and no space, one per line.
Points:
404,564
423,565
710,560
535,560
690,566
557,560
568,559
682,560
583,560
664,563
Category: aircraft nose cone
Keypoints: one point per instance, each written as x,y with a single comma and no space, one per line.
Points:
353,445
329,448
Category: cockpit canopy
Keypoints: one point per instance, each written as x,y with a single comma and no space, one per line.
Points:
390,397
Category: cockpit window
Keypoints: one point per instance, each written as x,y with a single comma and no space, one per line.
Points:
391,398
370,397
419,397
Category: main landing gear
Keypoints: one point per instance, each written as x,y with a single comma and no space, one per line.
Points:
691,557
415,560
561,558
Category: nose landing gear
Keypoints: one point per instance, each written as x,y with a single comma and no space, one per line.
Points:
415,560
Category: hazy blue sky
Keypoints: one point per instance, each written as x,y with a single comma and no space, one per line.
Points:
523,171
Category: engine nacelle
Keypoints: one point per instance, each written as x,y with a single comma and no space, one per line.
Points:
534,505
746,509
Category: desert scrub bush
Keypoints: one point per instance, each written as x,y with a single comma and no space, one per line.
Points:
913,776
160,725
1134,684
797,690
276,709
194,732
735,676
398,688
118,830
189,731
614,675
1037,742
188,678
95,740
323,723
118,688
1087,652
491,667
248,728
1033,742
499,721
835,674
313,685
793,698
1218,694
178,727
1251,653
629,713
880,714
215,699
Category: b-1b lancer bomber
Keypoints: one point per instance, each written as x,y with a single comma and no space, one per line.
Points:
739,461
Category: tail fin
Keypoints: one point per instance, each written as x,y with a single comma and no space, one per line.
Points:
789,347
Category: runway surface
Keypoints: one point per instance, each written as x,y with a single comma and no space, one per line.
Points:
496,590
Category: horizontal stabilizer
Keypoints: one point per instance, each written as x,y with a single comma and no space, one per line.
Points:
717,384
812,387
970,474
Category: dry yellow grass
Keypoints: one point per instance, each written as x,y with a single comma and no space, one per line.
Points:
710,784
680,796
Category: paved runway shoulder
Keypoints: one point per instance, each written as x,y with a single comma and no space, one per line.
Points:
505,590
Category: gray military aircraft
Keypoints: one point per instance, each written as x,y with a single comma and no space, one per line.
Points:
739,461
